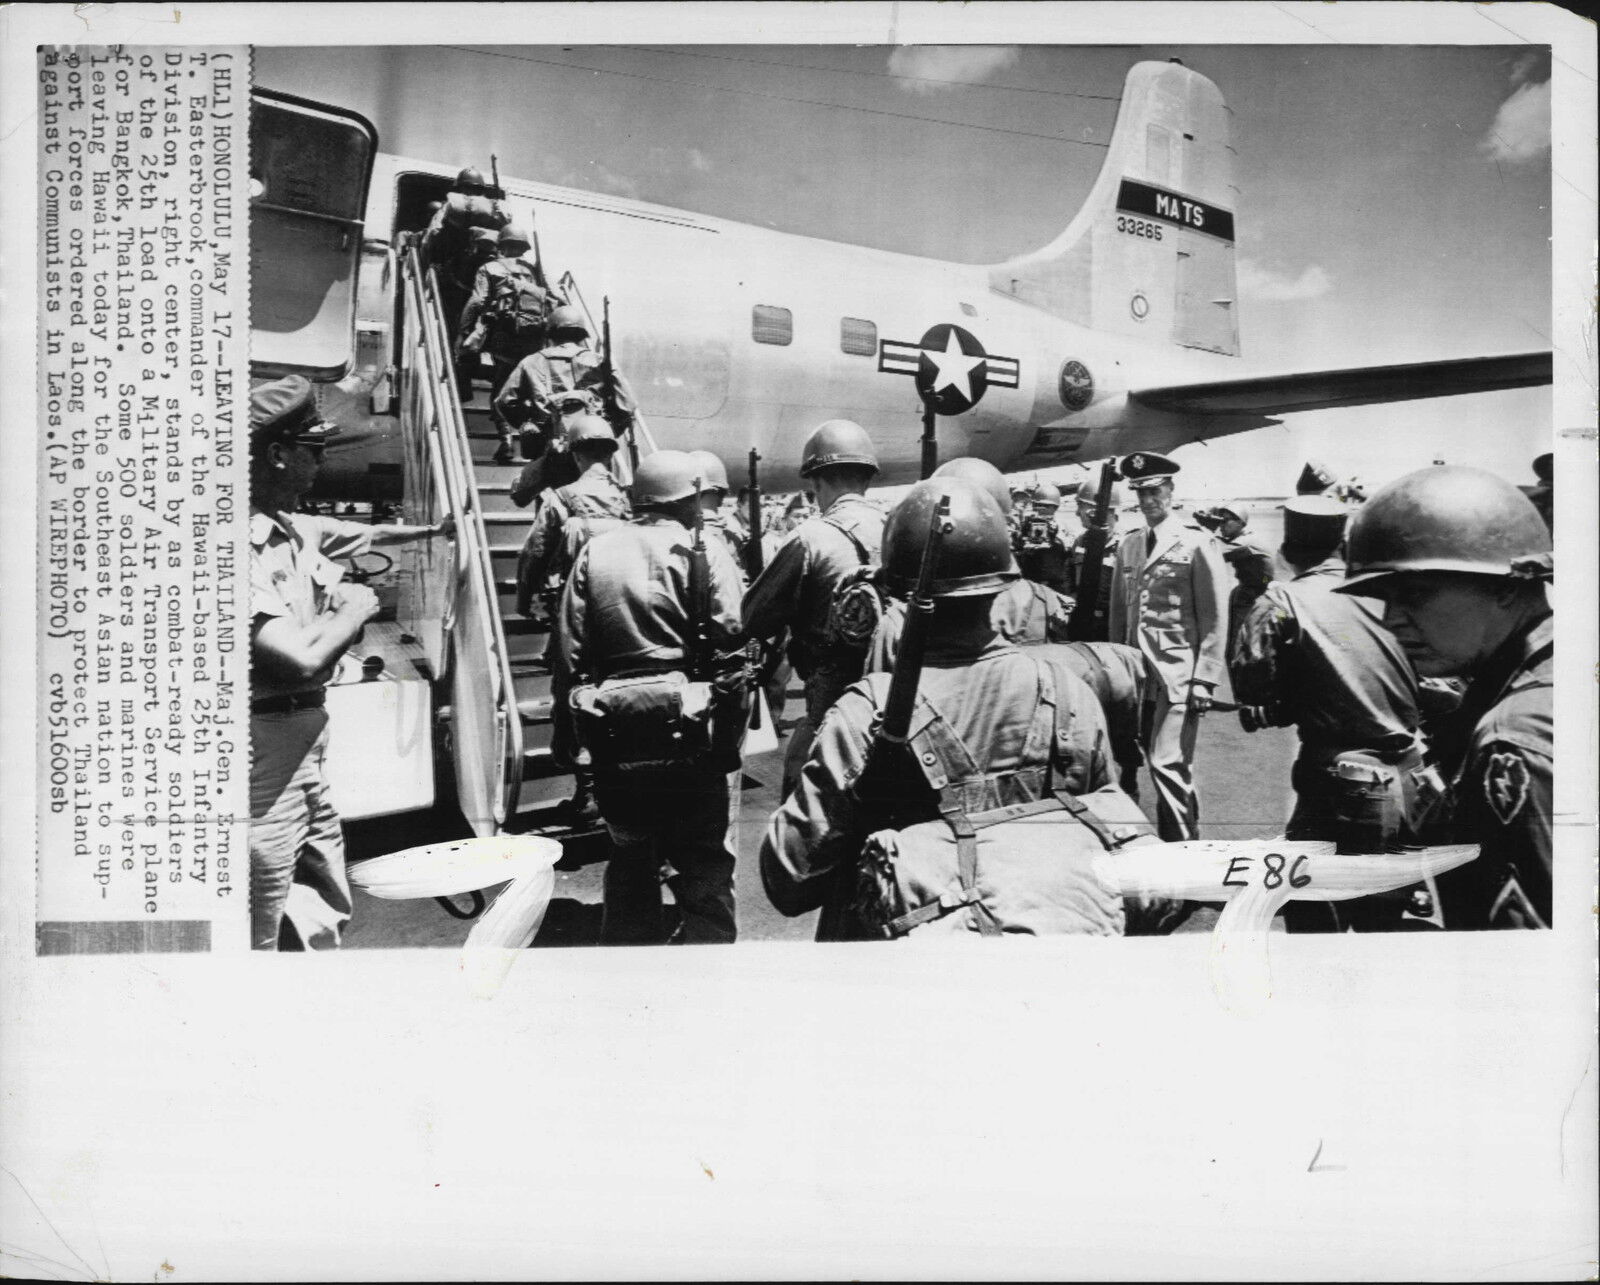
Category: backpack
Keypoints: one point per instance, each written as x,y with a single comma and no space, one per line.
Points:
856,606
516,306
987,867
577,529
462,213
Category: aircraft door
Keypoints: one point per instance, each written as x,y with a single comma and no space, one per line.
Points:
310,167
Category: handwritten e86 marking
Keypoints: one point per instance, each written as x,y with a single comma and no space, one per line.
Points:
1275,869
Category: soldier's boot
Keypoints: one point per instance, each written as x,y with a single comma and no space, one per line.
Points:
506,452
581,811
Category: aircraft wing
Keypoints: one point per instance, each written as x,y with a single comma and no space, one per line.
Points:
1357,386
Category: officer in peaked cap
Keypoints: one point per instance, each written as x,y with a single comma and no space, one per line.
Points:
1321,662
1315,478
796,589
1459,558
987,691
1169,598
303,619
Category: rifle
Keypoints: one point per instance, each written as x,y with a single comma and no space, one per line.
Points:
892,727
621,424
754,558
698,652
1082,627
494,172
930,440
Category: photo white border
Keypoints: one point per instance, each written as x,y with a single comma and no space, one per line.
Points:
1402,1107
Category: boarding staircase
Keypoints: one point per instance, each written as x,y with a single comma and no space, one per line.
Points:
491,660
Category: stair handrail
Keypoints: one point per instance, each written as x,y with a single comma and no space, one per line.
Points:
463,504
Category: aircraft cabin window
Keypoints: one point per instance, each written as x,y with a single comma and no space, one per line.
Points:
858,337
769,325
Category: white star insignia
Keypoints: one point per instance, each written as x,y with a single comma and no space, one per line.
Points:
955,367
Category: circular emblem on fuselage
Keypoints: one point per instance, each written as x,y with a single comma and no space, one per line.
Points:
1077,385
1139,306
953,369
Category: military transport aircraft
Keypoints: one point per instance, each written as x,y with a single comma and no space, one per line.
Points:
1122,334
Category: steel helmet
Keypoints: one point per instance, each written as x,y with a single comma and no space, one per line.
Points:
1048,495
975,553
713,476
470,180
567,317
588,430
515,233
839,441
1445,518
664,477
481,237
980,473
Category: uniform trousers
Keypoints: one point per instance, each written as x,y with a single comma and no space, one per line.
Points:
675,818
1169,733
299,891
824,686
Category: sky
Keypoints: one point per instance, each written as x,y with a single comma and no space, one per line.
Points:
1394,201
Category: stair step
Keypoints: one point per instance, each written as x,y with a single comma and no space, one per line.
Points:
536,709
520,626
517,517
540,765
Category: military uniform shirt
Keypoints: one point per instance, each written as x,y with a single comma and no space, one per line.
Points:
1024,613
988,700
292,574
1323,662
540,377
1501,797
594,495
1172,603
796,588
487,279
625,609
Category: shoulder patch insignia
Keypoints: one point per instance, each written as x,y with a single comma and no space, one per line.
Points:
1505,784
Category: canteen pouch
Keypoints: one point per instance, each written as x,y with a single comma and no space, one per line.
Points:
650,721
1032,868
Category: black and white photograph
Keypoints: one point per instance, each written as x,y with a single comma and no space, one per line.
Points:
1035,541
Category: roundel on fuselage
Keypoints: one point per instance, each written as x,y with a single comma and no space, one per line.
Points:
1076,386
949,366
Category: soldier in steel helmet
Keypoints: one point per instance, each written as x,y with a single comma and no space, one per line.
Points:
504,316
795,591
1169,598
449,244
988,691
1323,663
1029,614
627,613
1043,554
1025,612
1459,559
713,496
304,617
565,377
1085,502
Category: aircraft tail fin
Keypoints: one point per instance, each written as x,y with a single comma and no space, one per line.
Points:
1151,252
